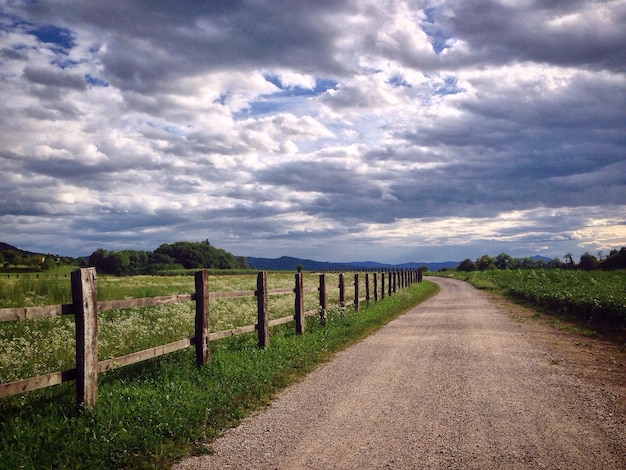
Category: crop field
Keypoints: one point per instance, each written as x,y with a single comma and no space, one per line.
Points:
591,296
34,347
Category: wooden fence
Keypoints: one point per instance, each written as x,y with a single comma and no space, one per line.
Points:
85,308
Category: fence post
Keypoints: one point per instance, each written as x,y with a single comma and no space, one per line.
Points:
367,287
342,292
322,289
390,284
86,317
299,305
356,292
203,354
419,275
382,285
261,301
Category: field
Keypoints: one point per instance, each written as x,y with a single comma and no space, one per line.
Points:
152,413
35,347
595,297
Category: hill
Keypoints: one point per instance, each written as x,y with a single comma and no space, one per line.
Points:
6,247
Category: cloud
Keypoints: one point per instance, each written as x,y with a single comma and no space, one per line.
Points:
569,34
329,130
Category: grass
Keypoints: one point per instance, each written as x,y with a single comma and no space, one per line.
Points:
28,290
594,297
151,414
35,347
587,303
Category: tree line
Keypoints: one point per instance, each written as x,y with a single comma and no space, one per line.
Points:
167,257
588,262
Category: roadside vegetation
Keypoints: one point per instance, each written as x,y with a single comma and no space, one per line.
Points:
592,291
153,413
596,298
34,347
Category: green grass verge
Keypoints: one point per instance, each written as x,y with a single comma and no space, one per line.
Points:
589,303
151,414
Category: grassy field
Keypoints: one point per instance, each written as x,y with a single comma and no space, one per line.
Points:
35,347
152,413
594,297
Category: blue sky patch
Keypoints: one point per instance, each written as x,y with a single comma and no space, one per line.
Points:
95,81
281,100
438,37
449,87
321,86
61,38
398,81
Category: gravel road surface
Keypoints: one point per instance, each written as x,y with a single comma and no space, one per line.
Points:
453,383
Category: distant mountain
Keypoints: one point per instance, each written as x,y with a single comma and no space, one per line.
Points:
287,263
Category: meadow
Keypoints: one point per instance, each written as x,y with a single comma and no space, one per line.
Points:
34,347
152,413
595,297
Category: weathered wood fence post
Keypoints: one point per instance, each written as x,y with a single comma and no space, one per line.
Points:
367,288
299,304
382,285
342,292
356,292
419,275
203,355
390,284
86,318
261,301
322,290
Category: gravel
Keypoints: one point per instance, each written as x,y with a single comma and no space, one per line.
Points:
453,383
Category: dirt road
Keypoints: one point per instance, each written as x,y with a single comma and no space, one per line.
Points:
454,383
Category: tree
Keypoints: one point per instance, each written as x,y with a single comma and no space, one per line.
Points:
198,255
588,262
466,265
555,263
98,258
528,263
485,262
504,261
119,263
615,260
13,257
48,263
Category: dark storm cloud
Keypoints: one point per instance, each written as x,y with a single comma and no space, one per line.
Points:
567,33
148,44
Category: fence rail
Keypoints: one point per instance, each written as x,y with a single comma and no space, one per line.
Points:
85,308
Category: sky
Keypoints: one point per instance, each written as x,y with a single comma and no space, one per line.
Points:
334,130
